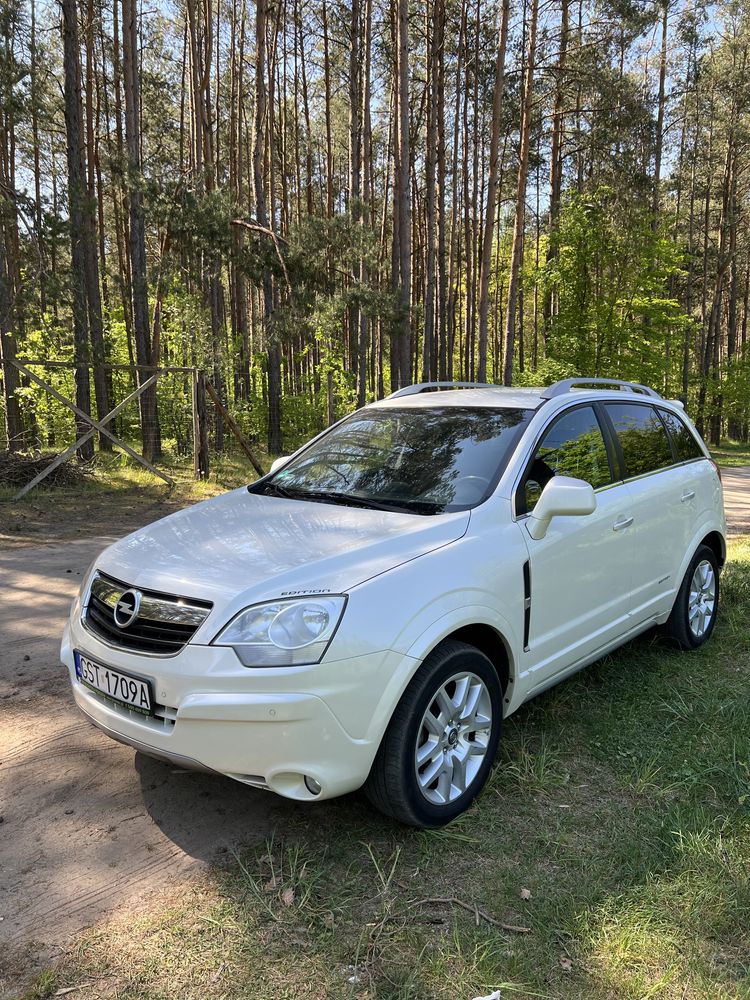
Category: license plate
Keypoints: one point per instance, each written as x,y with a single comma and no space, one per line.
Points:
114,684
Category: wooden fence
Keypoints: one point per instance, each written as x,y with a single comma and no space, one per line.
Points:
203,399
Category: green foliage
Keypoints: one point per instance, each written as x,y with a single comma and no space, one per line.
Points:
547,372
53,425
609,279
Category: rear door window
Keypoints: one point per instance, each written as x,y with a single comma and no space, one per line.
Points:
572,446
683,440
642,436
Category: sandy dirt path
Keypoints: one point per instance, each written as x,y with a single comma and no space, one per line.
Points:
87,824
736,483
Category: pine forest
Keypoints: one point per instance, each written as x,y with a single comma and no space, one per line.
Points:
315,202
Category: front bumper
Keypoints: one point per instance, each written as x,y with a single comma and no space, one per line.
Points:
256,726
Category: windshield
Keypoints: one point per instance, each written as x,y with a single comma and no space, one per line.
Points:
426,460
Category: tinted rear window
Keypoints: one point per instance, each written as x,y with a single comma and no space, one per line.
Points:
643,438
685,445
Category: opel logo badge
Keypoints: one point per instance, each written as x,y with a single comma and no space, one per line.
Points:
127,608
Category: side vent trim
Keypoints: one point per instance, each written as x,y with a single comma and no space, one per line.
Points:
526,603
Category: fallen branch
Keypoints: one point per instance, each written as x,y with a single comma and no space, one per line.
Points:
471,908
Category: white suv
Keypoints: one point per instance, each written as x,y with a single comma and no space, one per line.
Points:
371,610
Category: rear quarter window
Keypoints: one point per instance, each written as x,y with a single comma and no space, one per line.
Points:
683,439
642,436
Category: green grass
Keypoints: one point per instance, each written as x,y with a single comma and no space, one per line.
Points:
620,802
115,486
731,454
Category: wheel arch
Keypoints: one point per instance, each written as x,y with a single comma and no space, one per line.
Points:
717,543
476,625
489,641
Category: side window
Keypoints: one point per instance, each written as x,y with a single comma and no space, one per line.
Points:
572,446
685,445
643,437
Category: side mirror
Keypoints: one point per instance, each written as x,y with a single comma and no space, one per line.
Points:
562,496
278,462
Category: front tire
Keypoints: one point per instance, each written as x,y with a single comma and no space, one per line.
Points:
441,741
694,613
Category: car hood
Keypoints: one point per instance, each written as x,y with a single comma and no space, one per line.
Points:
243,547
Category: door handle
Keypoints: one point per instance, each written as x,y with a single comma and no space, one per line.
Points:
623,522
688,495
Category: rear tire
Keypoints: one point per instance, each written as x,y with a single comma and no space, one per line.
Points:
441,741
695,608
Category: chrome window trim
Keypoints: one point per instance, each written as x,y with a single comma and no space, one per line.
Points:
666,468
623,482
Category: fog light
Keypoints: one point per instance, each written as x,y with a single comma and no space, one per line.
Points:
312,785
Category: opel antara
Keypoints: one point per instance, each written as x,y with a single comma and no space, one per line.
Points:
370,612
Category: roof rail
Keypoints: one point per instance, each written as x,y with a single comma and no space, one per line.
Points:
413,390
566,384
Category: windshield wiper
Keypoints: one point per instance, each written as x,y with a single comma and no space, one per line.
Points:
273,489
345,499
352,500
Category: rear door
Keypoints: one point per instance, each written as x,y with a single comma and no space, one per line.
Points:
662,504
698,488
579,574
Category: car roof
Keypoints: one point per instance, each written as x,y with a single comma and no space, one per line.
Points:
441,394
492,397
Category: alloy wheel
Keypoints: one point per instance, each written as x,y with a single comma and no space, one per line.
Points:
453,738
702,599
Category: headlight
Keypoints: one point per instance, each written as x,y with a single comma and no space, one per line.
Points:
86,577
284,633
75,609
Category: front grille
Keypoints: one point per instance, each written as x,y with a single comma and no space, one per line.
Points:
163,625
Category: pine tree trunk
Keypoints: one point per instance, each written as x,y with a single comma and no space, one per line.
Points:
492,180
403,193
76,201
428,351
355,179
518,228
8,374
659,139
556,157
150,433
91,255
8,265
440,361
366,193
274,354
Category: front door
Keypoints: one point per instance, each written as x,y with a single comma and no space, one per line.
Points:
580,572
